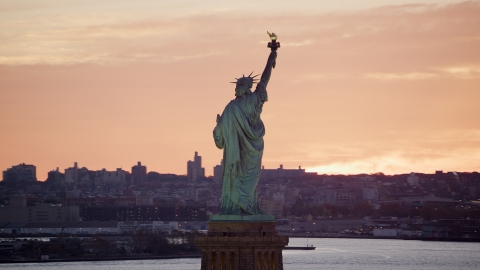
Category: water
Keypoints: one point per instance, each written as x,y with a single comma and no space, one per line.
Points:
373,254
331,253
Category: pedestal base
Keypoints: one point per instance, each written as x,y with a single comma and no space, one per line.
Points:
242,245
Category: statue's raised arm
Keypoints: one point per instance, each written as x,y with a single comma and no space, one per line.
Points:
268,68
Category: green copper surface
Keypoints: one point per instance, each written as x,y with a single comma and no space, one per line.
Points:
239,132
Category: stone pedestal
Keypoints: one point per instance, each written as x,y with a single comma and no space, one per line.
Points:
241,245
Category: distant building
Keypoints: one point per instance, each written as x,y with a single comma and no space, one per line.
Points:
421,201
18,201
190,194
17,211
218,173
76,175
84,228
153,226
71,174
386,232
325,196
290,197
191,171
116,178
370,193
345,197
84,176
165,212
21,172
102,201
439,178
412,179
144,200
340,197
139,174
55,177
272,207
279,196
194,168
281,172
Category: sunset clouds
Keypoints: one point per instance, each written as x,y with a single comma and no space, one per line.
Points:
390,86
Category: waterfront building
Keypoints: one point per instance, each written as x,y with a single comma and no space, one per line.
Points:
18,211
152,226
167,212
81,227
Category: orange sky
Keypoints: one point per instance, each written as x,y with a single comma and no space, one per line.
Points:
390,85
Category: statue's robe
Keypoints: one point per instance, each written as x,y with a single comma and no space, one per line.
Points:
240,132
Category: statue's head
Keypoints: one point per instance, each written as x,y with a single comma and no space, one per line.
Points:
244,85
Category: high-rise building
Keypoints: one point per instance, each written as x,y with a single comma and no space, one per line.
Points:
191,171
194,168
21,172
218,172
55,177
139,174
198,165
71,174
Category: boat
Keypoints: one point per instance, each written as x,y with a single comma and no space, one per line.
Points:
299,248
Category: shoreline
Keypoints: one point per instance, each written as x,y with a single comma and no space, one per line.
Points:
444,239
93,259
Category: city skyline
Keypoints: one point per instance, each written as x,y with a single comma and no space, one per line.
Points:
140,171
359,87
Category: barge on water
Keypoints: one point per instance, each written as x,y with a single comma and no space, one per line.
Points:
299,248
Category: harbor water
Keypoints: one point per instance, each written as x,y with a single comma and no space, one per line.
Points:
330,253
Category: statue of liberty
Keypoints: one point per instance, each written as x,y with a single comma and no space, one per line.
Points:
239,132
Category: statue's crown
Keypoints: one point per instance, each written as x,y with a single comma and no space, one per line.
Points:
246,81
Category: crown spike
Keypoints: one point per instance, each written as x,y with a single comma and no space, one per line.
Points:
250,74
256,75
